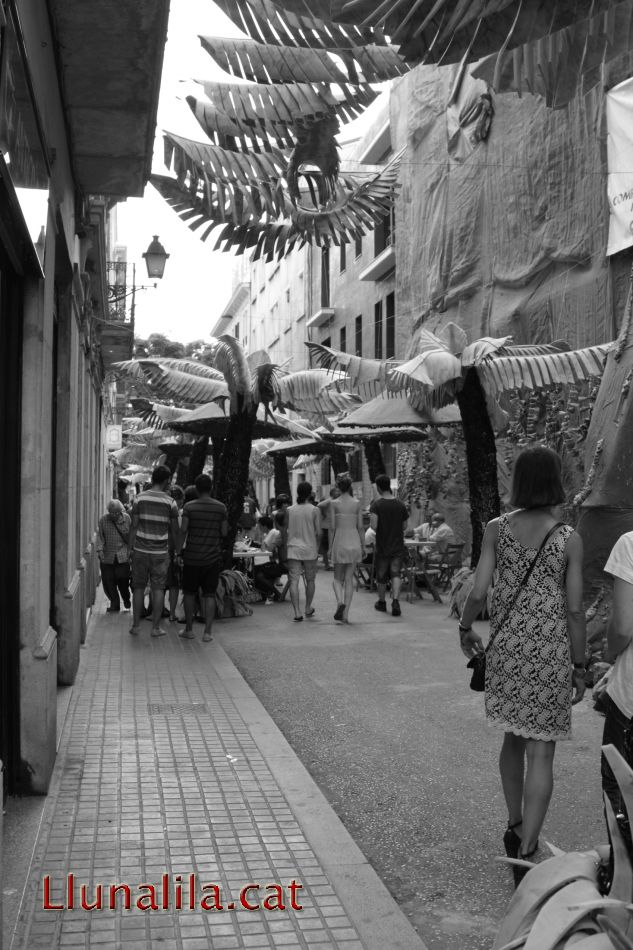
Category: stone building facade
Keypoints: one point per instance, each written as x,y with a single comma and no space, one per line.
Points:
79,89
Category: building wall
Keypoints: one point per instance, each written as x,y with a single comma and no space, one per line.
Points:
62,468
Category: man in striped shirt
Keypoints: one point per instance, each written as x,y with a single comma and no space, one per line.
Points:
154,526
204,525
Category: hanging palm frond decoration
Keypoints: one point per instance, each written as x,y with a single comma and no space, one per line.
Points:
283,25
560,65
258,62
355,210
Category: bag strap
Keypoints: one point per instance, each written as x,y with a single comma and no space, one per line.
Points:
127,543
525,579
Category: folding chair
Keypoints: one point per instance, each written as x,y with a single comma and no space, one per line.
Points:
449,563
364,574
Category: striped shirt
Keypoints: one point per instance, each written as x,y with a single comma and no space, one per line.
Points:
153,511
202,520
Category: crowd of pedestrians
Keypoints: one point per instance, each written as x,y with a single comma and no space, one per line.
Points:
535,656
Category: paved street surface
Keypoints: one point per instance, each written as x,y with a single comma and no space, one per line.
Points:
170,765
171,779
381,714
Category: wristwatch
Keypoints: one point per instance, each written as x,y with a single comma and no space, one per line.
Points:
579,666
463,629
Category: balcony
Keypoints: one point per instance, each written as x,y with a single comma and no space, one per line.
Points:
321,316
381,266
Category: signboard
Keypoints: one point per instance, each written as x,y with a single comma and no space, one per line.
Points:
114,437
620,166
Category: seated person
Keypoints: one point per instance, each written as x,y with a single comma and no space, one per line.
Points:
370,544
265,575
441,534
261,529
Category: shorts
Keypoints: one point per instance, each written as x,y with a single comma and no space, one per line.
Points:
297,568
150,568
201,576
386,567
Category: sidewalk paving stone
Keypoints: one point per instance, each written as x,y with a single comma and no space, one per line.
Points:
165,771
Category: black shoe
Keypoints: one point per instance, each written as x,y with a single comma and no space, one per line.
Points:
112,610
381,605
395,608
511,840
519,872
338,613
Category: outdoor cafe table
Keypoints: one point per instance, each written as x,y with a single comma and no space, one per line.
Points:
250,557
421,566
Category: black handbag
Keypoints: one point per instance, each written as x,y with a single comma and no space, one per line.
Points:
478,662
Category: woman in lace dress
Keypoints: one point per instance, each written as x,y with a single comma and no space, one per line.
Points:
347,545
536,659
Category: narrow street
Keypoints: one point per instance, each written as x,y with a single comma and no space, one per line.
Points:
381,715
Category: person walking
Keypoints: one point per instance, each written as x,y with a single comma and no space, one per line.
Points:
154,526
388,517
618,697
324,507
303,535
535,659
113,535
347,544
204,525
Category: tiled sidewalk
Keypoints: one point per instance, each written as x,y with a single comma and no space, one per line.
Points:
169,765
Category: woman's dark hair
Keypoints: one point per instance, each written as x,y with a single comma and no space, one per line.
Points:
191,493
537,478
265,522
344,484
280,520
304,490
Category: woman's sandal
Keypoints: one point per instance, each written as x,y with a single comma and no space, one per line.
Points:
511,840
520,872
298,619
338,613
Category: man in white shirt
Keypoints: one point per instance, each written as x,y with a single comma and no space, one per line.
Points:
618,726
437,531
303,537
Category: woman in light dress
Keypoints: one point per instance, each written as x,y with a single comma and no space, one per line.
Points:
347,545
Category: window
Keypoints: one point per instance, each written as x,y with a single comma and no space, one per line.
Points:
378,330
342,264
327,341
358,334
358,246
325,277
343,340
384,234
390,306
236,331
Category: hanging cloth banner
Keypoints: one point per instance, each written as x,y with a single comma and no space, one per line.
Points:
620,166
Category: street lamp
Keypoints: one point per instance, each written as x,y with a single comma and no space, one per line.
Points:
155,258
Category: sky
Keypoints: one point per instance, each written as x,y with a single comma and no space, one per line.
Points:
197,281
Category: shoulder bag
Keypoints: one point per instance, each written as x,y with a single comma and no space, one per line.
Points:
478,663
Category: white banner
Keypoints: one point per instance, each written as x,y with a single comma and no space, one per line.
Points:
620,166
114,437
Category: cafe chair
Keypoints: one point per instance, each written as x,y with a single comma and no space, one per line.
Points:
448,564
364,574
